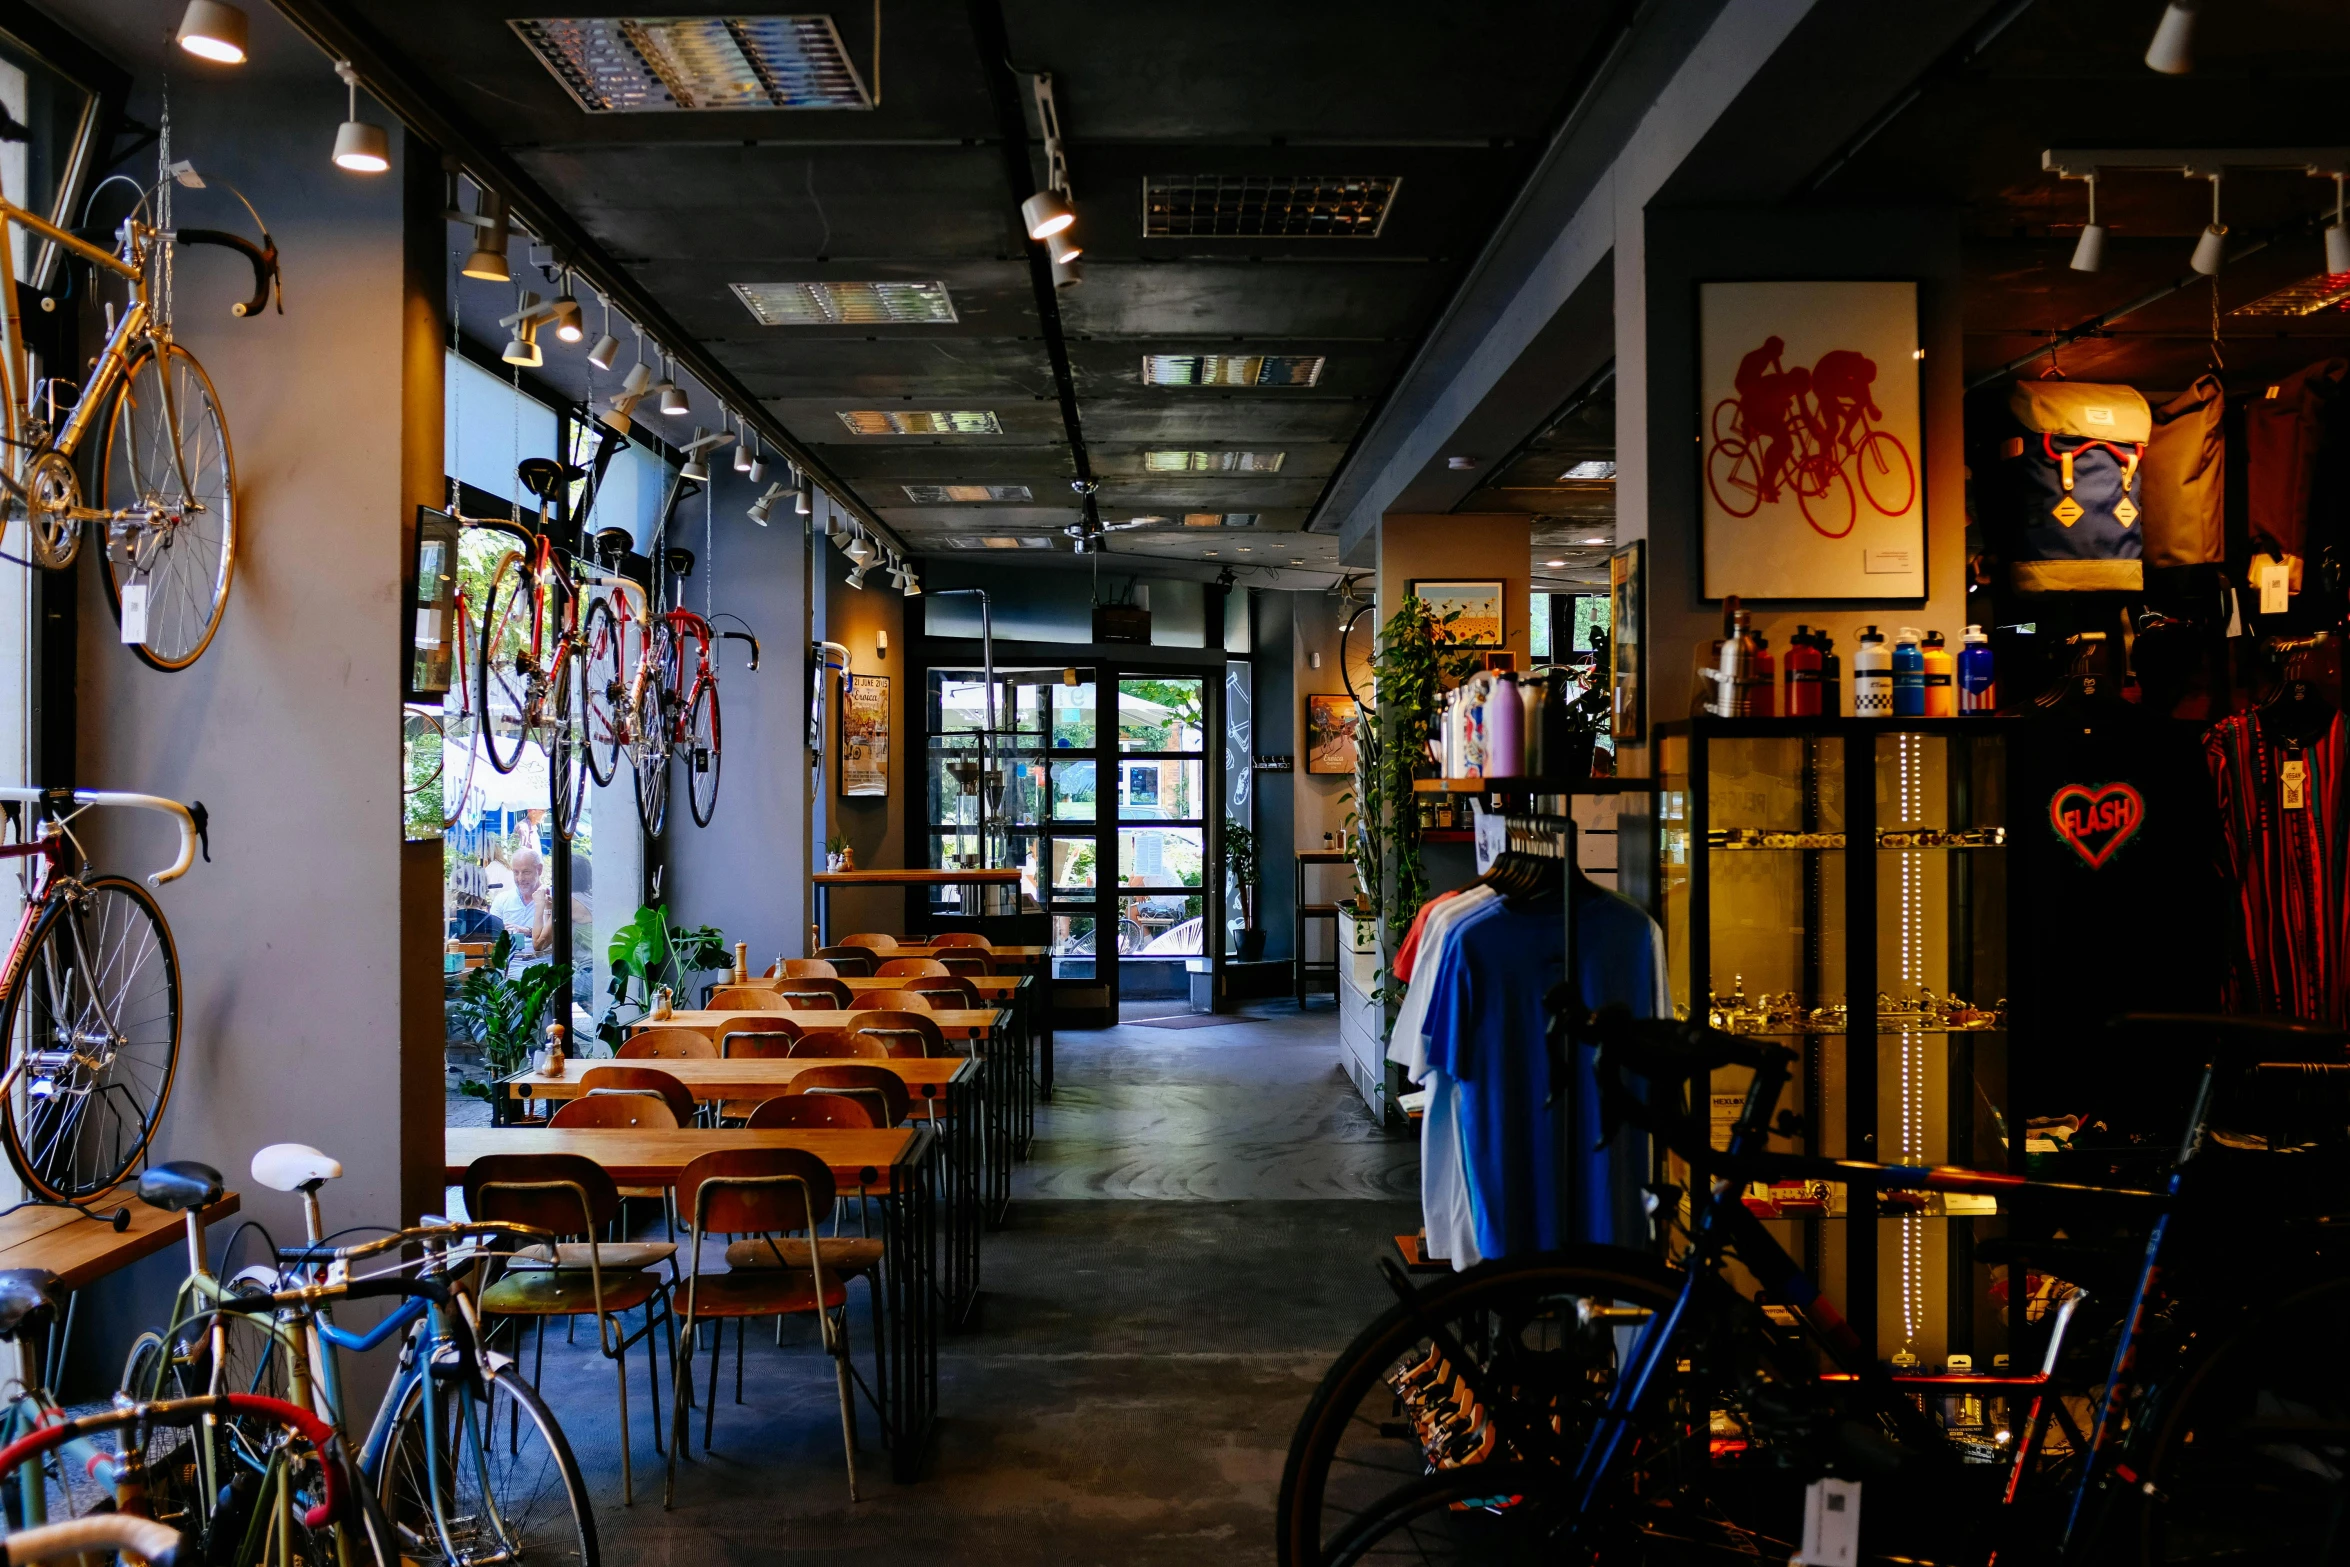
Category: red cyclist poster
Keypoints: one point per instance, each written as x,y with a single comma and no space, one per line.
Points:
1811,442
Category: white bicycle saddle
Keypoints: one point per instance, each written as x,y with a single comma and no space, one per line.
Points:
288,1167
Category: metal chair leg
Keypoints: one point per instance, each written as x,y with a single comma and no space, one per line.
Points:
740,1323
710,1414
848,1405
653,1377
620,1369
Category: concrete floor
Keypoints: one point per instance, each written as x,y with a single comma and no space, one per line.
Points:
1188,1249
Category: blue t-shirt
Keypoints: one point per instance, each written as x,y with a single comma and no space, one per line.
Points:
1535,1181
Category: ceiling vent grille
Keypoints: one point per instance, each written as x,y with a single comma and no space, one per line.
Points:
1266,206
1213,462
999,541
1231,369
948,494
663,64
961,421
847,304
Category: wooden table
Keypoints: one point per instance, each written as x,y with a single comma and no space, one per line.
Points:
954,1023
752,1077
81,1251
907,1303
992,987
825,881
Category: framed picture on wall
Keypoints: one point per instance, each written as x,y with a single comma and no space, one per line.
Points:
1811,440
1474,609
1627,587
864,735
1331,722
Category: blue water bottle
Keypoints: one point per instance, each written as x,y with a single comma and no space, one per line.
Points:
1976,692
1909,674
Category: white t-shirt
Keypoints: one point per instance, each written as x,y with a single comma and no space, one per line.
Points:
1444,1175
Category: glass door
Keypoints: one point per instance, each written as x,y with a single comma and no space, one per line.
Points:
1162,830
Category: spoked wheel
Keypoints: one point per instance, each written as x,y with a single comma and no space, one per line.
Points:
93,1033
605,678
566,741
701,753
467,1478
508,722
167,469
651,729
652,784
1394,1411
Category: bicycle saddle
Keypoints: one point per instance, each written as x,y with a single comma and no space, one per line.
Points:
294,1167
180,1185
680,562
544,477
28,1299
614,544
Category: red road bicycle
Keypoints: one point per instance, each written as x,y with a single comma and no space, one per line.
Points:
533,655
1823,468
89,1001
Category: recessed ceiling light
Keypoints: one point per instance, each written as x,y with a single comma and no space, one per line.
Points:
1000,542
1208,552
1231,369
661,64
1554,563
1213,462
945,494
1460,464
847,304
1266,206
1591,469
966,421
1297,563
1219,519
1244,549
1595,541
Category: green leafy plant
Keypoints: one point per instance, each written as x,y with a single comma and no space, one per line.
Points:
648,952
502,1011
1240,859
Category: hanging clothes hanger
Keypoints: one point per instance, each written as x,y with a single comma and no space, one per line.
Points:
2298,710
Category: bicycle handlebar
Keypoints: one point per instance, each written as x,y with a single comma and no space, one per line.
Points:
186,1412
262,256
157,1544
350,1289
384,1243
195,823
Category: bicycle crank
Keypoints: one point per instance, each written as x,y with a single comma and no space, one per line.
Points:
52,500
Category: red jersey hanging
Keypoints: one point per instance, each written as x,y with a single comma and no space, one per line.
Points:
2282,821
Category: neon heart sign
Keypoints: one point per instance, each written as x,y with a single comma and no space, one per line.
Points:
2096,819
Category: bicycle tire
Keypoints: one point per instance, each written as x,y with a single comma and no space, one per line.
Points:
504,697
1309,1520
566,744
1826,484
652,790
702,753
1513,1529
652,728
184,606
1740,497
45,1115
604,677
553,1481
1871,455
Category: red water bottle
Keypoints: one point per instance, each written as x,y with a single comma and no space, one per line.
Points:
1803,675
1765,701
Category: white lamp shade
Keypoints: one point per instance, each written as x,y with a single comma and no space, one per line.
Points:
1064,247
800,502
2211,250
2172,52
757,469
362,148
913,586
858,550
695,469
856,578
2089,254
211,30
567,322
674,402
1046,214
604,351
1068,274
2337,250
742,458
523,349
488,265
638,381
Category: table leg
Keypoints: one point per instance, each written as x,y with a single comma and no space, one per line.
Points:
908,1390
1003,1082
1045,985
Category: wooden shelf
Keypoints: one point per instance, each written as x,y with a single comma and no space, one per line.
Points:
1533,785
1447,835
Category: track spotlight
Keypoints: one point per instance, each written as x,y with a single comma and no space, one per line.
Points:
604,351
913,584
360,147
1046,214
1064,247
859,550
802,502
742,456
488,261
1068,274
567,322
212,30
674,402
2172,52
694,467
758,467
638,381
523,347
2212,246
2337,237
856,576
2089,254
764,506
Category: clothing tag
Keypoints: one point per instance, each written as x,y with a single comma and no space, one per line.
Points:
134,613
1831,1524
1492,834
2276,587
2293,783
2235,614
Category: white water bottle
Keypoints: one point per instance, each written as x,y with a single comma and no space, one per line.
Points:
1872,676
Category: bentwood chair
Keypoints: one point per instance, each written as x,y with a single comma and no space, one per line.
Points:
805,968
768,1021
971,967
573,1196
961,938
961,991
849,1257
883,1093
814,995
902,1033
891,1001
878,943
855,962
837,1044
771,1192
771,1040
821,1110
674,1044
601,1082
897,968
741,998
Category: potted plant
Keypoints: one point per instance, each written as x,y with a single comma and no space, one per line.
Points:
837,856
503,1012
1240,859
648,952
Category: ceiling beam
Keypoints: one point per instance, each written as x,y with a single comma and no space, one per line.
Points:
429,112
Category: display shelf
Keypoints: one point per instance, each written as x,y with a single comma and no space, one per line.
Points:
1533,785
1830,1030
1448,835
1902,840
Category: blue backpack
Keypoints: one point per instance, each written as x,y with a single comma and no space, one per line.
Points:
2070,519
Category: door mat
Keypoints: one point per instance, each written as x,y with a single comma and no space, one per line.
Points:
1186,1020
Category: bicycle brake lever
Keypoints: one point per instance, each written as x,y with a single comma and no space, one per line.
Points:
203,820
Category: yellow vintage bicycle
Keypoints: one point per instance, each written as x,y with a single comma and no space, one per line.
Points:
165,485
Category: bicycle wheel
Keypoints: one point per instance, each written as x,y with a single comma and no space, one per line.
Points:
605,678
1387,1415
93,1034
651,729
701,753
1825,495
1888,479
1733,478
2251,1461
504,698
566,743
506,1487
167,466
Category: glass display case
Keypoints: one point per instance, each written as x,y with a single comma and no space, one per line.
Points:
1845,887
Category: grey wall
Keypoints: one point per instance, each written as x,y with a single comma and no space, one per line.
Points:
875,828
1275,795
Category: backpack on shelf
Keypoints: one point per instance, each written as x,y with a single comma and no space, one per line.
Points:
2069,490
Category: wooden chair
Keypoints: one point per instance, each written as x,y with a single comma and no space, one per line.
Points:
760,1192
661,1042
962,938
638,1112
898,967
807,968
837,1044
602,1080
573,1195
639,1109
972,968
814,995
811,1110
854,962
772,1040
849,1257
882,1091
868,939
965,993
770,1021
902,1033
741,998
890,1001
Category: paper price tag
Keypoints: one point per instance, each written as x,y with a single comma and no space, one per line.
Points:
134,613
1492,834
1831,1524
2276,588
2293,784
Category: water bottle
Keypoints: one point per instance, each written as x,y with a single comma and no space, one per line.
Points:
1763,689
1941,678
1505,730
1909,674
1831,676
1977,696
1802,664
1872,676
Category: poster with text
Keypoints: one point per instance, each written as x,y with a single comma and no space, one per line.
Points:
864,735
1811,440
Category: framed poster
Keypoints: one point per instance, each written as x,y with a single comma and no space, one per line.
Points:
1331,721
1475,608
1810,434
432,592
1627,586
864,735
